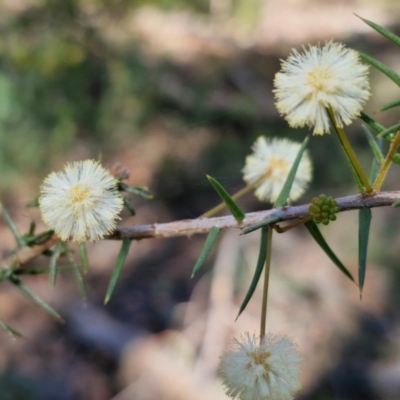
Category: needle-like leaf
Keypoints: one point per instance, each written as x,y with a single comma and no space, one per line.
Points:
237,213
317,235
123,253
282,199
363,235
259,268
208,245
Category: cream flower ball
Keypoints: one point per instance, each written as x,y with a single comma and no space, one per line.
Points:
269,370
81,203
331,76
269,165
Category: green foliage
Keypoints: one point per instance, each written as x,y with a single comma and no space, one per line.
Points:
374,125
208,245
237,213
363,235
53,264
123,253
11,225
317,235
33,297
264,243
282,199
382,67
384,32
376,148
10,331
264,223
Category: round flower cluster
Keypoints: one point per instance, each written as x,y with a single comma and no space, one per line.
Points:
264,371
82,203
323,209
269,166
319,78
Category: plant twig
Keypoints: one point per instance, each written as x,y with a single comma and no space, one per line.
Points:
191,227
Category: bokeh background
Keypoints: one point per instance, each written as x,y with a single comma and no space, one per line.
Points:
172,90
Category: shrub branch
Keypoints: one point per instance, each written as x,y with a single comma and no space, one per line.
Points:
203,225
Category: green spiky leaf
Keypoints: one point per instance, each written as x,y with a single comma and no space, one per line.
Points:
384,32
13,228
128,205
259,269
123,253
41,271
375,167
76,271
382,67
31,240
363,235
388,133
34,297
33,203
376,149
374,125
390,105
208,245
32,227
53,264
396,204
237,213
140,191
265,222
84,257
282,199
317,235
10,331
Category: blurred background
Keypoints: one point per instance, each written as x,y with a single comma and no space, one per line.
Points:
172,90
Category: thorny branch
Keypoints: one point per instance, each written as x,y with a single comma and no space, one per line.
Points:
203,225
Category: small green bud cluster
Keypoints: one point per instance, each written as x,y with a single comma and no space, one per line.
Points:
323,209
396,158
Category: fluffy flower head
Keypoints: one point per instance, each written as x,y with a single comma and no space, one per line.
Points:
266,371
270,164
82,202
321,77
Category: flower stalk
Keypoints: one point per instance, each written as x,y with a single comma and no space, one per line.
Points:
386,164
346,146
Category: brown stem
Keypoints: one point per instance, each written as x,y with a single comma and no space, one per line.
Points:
204,225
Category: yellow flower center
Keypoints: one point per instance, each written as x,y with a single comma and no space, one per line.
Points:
277,165
79,193
261,358
81,198
319,78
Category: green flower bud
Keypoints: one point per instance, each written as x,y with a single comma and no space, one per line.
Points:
323,209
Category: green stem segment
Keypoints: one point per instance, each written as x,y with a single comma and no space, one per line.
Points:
386,164
350,153
266,283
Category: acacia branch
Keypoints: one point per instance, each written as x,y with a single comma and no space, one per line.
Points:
203,225
191,227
